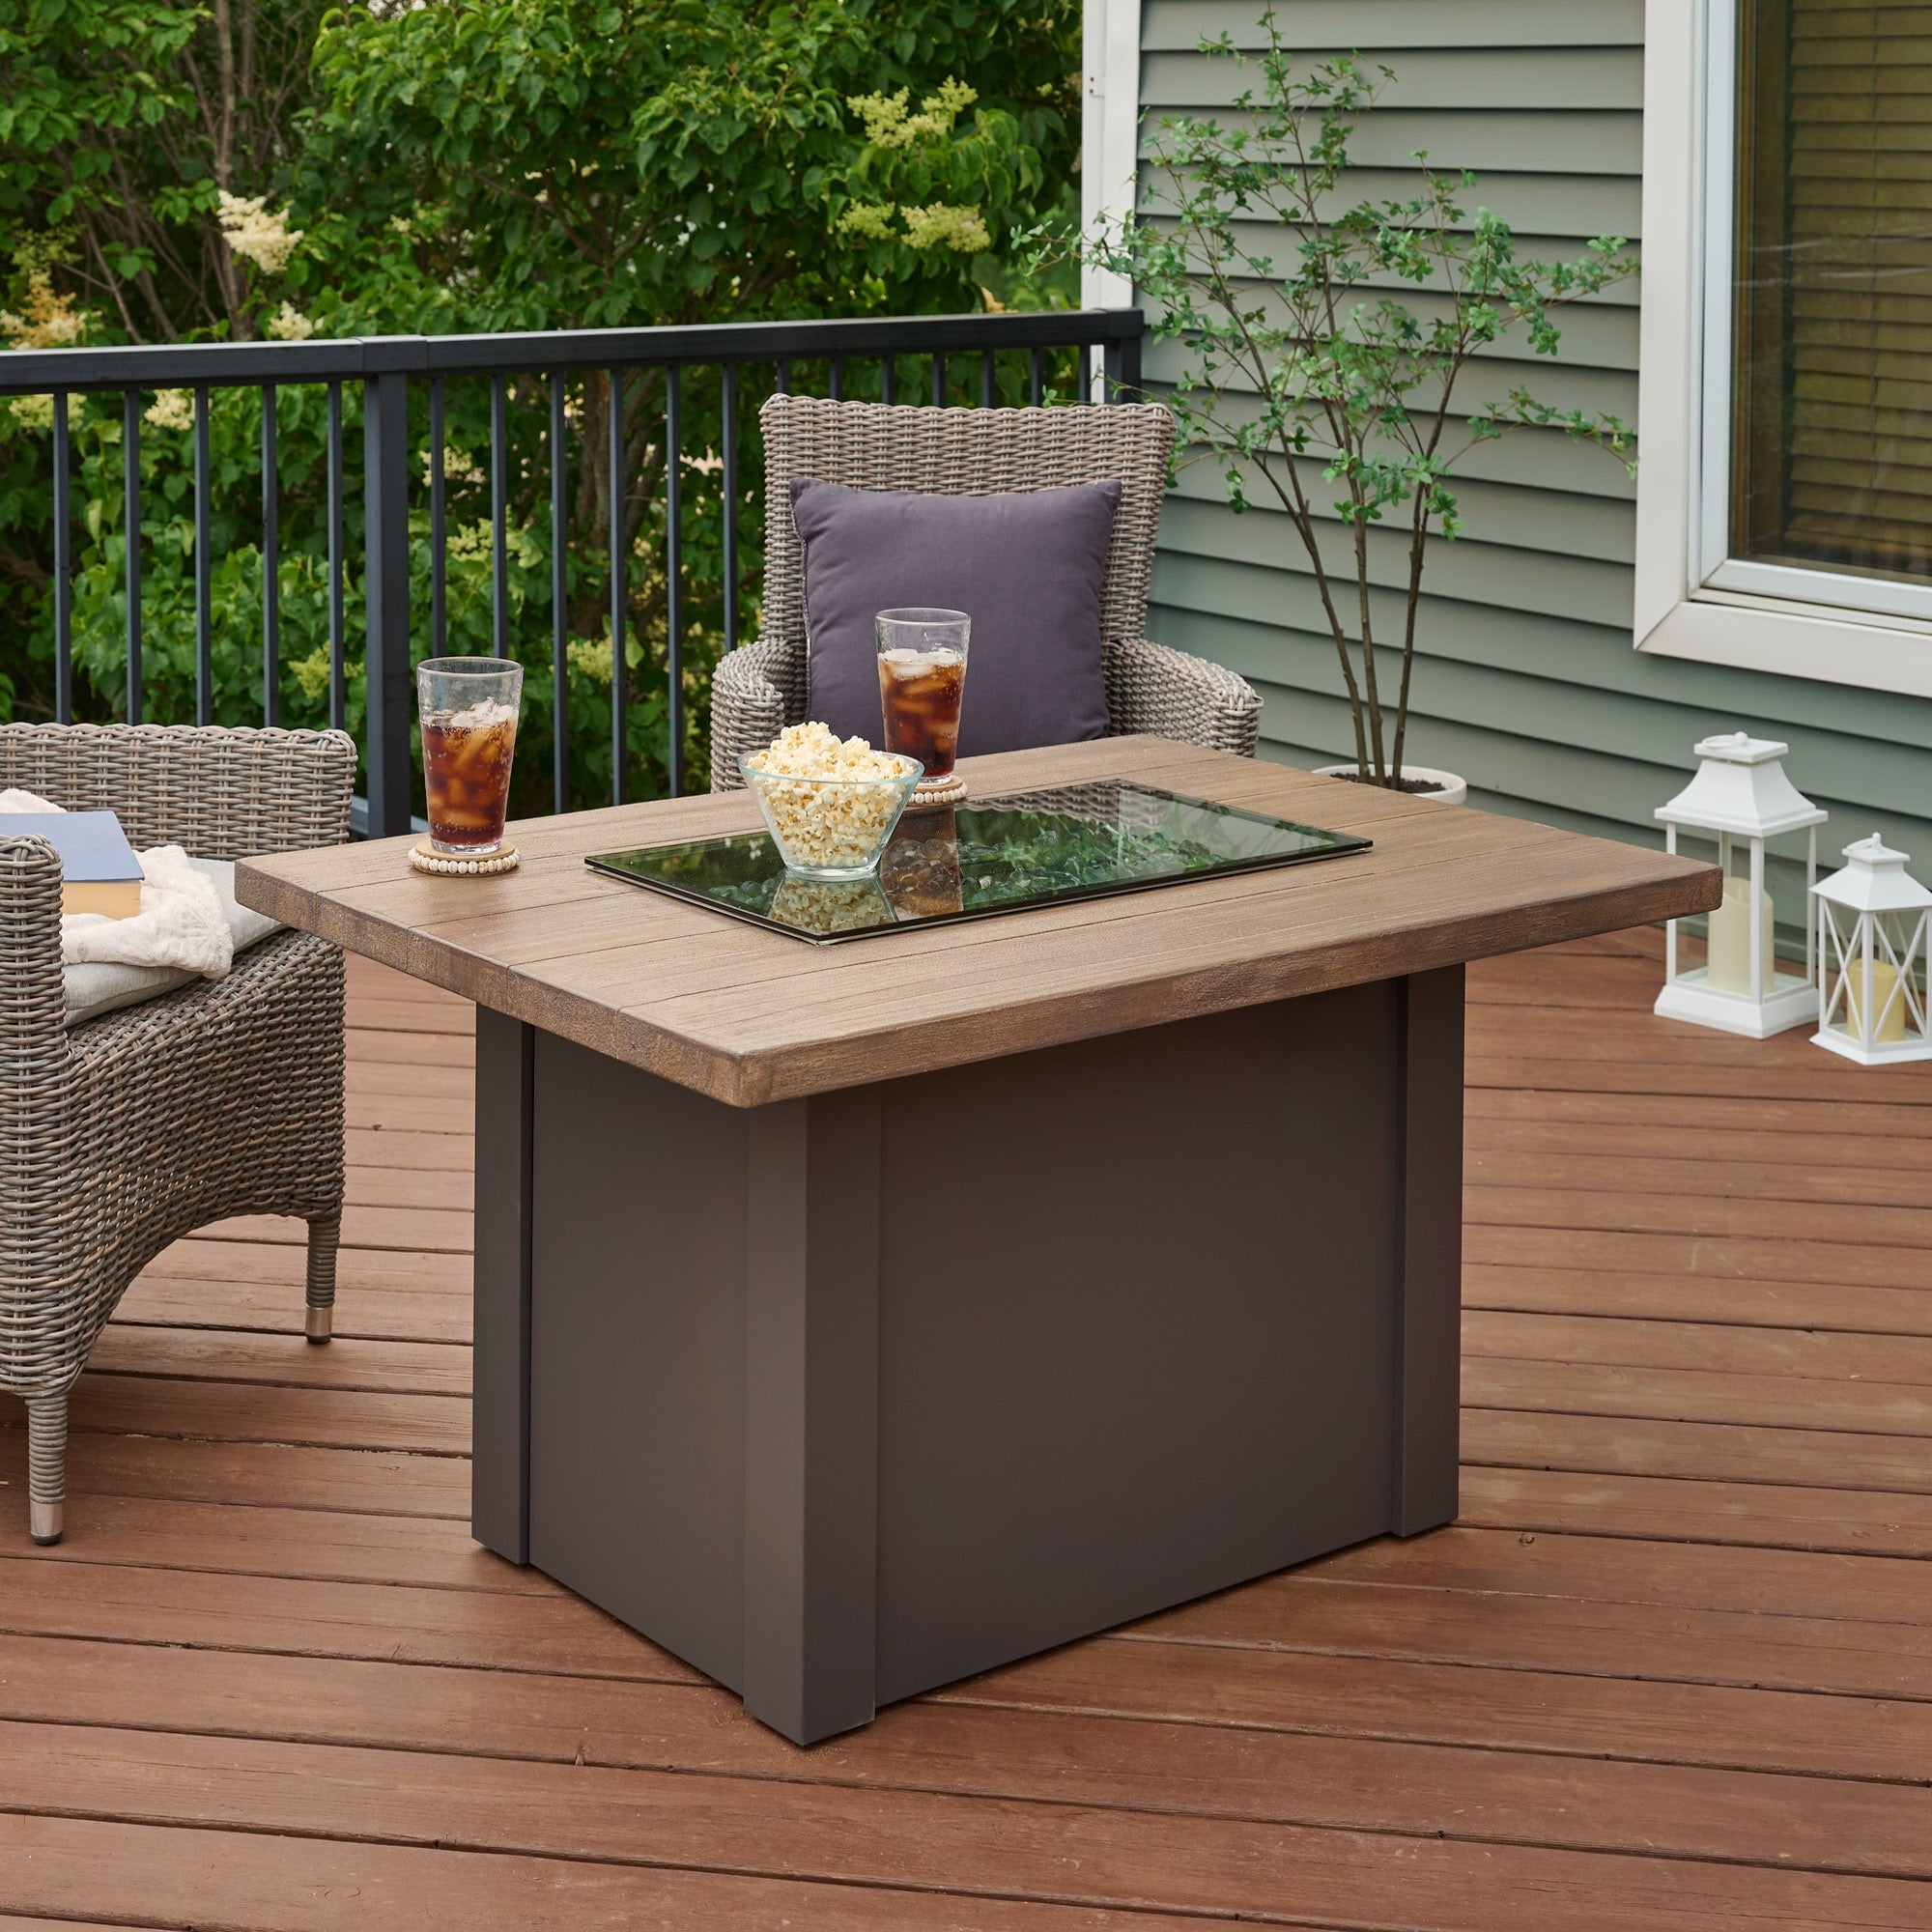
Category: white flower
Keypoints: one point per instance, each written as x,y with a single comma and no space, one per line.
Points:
50,319
890,123
867,220
290,325
943,225
589,659
471,543
171,409
255,234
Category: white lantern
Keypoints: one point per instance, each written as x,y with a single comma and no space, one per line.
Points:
1872,928
1742,798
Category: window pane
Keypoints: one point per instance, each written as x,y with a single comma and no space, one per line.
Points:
1832,460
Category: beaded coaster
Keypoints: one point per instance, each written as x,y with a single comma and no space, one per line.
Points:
942,791
427,860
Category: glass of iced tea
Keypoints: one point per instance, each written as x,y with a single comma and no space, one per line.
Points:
921,678
468,712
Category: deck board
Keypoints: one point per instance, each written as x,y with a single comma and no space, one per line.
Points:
1671,1668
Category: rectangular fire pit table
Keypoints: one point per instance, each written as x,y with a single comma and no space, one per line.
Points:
852,1318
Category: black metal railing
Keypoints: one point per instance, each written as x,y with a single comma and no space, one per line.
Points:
659,413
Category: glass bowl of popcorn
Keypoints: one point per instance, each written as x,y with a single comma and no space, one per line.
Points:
830,803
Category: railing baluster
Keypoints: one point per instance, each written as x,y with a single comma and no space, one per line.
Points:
204,567
439,533
63,565
391,718
131,525
674,572
835,378
1120,372
559,615
988,380
499,518
619,736
888,379
1086,378
784,378
338,670
938,378
1038,386
271,564
729,434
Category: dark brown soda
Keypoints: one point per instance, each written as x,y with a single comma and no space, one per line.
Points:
467,776
919,694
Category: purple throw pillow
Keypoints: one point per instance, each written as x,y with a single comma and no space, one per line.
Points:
1026,567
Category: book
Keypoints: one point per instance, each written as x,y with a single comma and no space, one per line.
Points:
99,870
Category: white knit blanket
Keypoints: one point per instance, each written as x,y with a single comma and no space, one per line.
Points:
180,923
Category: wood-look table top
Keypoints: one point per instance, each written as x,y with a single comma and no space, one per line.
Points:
749,1017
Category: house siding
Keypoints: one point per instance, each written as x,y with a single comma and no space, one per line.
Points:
1527,682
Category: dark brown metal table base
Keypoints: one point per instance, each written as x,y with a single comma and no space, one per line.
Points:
844,1398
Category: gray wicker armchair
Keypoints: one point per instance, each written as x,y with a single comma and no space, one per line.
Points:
224,1097
759,689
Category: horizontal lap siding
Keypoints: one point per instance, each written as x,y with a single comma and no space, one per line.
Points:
1527,681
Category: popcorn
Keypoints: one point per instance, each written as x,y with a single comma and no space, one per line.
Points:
827,816
812,752
830,905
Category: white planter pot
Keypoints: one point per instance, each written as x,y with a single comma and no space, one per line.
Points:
1449,788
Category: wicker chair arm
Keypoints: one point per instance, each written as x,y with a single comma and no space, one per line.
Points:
36,1065
756,690
221,793
31,997
1173,694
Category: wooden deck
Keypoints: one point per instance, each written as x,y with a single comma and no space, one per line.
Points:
1673,1667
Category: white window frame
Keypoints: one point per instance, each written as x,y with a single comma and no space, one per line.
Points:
1693,600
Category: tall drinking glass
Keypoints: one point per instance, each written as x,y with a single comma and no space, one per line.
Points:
468,707
922,679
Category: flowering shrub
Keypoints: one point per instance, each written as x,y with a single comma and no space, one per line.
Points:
501,165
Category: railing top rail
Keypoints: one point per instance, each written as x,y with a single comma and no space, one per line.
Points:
233,364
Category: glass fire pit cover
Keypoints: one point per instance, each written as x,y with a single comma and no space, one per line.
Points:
987,857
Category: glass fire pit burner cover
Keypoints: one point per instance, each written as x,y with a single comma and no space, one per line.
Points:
976,860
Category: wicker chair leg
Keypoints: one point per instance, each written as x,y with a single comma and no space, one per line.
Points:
325,1232
46,1465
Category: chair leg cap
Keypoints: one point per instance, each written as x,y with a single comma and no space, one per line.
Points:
45,1522
321,1323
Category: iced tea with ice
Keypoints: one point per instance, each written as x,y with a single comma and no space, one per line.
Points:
919,694
467,773
469,714
922,682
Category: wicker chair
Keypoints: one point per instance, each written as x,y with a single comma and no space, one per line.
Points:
759,689
224,1097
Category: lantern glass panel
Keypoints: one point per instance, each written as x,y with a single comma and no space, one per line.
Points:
1891,941
1728,964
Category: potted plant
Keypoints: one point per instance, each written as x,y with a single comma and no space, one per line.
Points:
1310,364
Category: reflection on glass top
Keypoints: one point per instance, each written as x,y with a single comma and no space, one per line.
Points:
974,861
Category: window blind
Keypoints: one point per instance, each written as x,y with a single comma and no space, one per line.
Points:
1833,454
